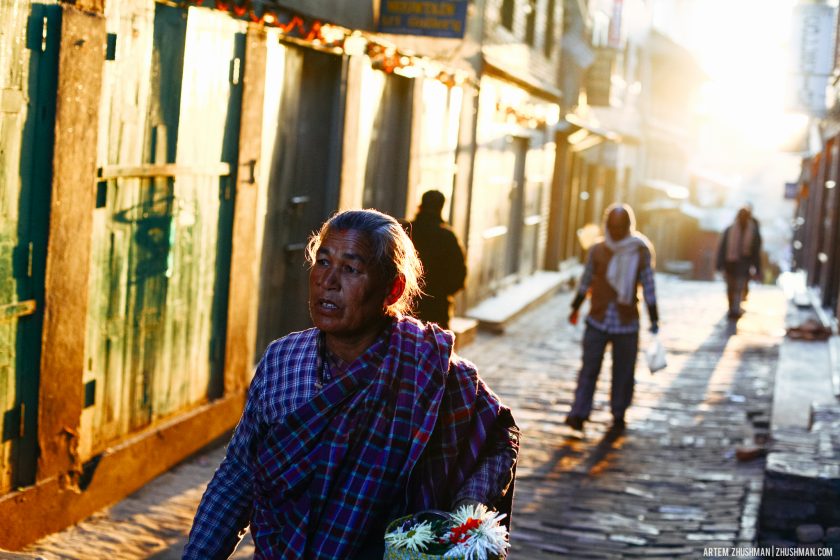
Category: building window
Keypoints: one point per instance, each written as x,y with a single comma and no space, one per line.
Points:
548,46
530,22
507,13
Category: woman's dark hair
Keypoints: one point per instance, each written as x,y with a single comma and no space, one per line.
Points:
393,251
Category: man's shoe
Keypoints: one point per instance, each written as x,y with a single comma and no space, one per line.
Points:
575,422
618,426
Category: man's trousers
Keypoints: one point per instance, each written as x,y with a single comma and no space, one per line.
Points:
625,347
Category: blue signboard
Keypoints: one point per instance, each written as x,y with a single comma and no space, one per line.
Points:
432,18
791,190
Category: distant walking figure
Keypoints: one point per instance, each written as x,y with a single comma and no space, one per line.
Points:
739,257
442,257
614,269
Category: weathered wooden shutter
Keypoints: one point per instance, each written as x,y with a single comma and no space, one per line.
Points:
170,123
28,55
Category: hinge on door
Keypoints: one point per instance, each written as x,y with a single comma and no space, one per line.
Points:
90,394
251,167
101,193
111,47
44,35
29,260
12,424
36,29
235,70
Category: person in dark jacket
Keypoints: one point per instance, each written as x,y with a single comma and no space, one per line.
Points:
442,257
739,257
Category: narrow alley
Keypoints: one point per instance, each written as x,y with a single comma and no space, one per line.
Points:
669,487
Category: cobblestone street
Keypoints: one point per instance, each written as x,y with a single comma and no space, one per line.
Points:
669,487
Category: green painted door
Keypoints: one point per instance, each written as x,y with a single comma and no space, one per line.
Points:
28,54
168,144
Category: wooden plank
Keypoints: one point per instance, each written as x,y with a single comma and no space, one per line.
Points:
82,55
131,231
123,142
352,163
419,140
219,169
91,6
11,100
47,507
244,262
191,364
15,310
14,77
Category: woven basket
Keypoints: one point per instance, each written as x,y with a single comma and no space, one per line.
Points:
403,554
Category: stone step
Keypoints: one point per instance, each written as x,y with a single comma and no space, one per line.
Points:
465,330
495,313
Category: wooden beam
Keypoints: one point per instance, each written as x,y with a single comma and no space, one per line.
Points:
351,191
153,170
557,201
81,59
415,151
90,6
19,309
47,507
244,274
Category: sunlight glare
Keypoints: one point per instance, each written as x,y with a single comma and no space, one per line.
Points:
743,47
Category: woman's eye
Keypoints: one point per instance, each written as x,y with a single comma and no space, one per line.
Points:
351,270
322,262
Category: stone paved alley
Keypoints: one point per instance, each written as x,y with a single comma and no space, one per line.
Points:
668,488
671,485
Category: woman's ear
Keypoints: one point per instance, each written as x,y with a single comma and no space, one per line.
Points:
396,291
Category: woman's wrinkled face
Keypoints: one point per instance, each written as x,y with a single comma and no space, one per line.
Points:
347,291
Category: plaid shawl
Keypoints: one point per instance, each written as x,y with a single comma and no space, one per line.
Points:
403,428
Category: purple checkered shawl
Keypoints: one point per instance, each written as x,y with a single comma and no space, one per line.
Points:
405,428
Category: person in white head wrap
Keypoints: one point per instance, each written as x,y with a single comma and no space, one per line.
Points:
615,268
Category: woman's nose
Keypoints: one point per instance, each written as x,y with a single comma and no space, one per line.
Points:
330,277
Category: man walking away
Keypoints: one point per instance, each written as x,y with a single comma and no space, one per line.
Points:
614,269
443,260
739,257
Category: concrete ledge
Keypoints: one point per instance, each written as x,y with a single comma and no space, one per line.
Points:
465,330
829,322
815,300
802,472
495,313
802,478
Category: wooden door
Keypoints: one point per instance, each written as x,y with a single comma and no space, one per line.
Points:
161,244
303,186
28,70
